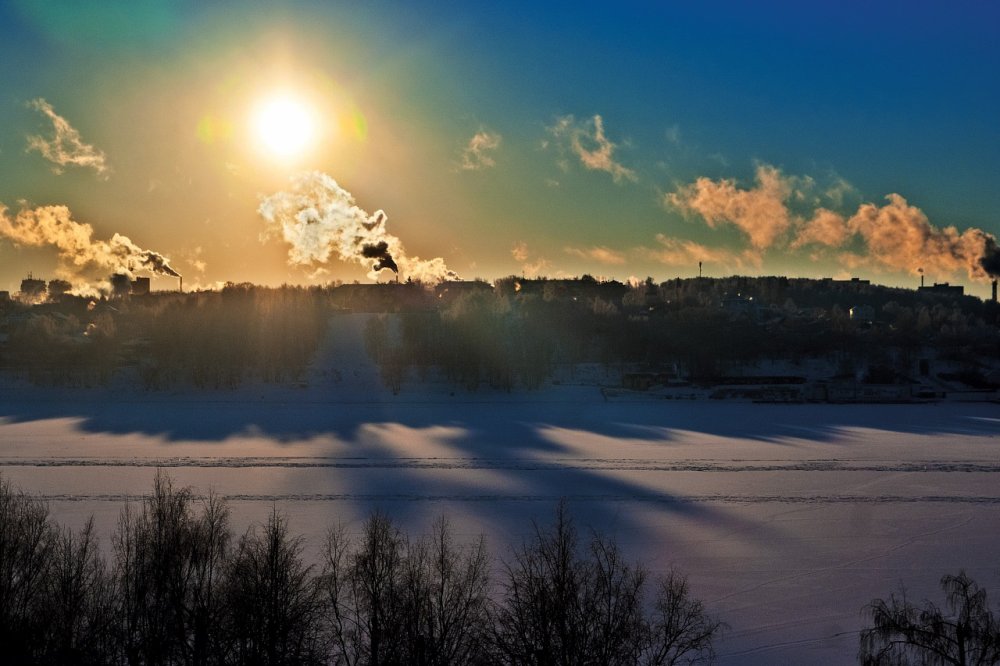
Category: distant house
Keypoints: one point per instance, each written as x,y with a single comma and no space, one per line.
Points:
449,290
139,286
32,289
943,289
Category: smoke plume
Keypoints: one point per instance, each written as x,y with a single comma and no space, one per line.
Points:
900,237
80,255
990,260
896,236
320,220
380,251
759,212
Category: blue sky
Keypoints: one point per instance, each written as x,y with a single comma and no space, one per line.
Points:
556,139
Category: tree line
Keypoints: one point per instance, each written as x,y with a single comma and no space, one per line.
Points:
181,589
513,333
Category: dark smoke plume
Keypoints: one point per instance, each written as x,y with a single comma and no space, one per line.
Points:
380,251
990,260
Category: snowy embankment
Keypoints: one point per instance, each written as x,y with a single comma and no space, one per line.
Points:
788,518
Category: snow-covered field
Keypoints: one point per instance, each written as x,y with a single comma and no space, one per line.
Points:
788,518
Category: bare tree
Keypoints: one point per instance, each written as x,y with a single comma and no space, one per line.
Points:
168,567
445,599
393,601
79,601
561,608
271,599
964,633
613,604
539,618
362,588
564,607
679,630
26,543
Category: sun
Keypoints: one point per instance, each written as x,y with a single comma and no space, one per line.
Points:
284,126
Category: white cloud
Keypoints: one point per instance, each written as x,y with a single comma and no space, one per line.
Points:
588,142
599,253
680,252
65,147
522,256
478,153
519,252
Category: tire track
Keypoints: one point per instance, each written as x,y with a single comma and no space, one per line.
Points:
517,464
651,498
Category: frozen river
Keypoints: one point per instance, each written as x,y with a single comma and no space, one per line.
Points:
787,518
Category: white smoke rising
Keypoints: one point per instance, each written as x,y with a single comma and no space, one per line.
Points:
895,237
320,220
760,212
81,257
900,237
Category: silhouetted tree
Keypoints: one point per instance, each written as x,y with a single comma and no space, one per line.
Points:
169,564
445,599
78,606
679,630
393,601
964,633
271,599
561,606
26,543
362,589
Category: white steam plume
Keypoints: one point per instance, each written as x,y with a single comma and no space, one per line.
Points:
895,237
80,255
760,212
319,220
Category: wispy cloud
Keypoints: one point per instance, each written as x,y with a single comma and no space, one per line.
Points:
680,252
65,147
599,253
587,141
478,152
519,252
529,267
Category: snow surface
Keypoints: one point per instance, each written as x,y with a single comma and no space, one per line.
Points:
787,518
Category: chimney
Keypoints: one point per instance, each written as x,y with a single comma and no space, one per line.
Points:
180,279
994,290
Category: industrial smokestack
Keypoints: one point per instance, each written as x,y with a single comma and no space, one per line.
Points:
180,287
994,290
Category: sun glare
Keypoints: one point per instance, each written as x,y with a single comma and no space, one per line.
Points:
284,126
